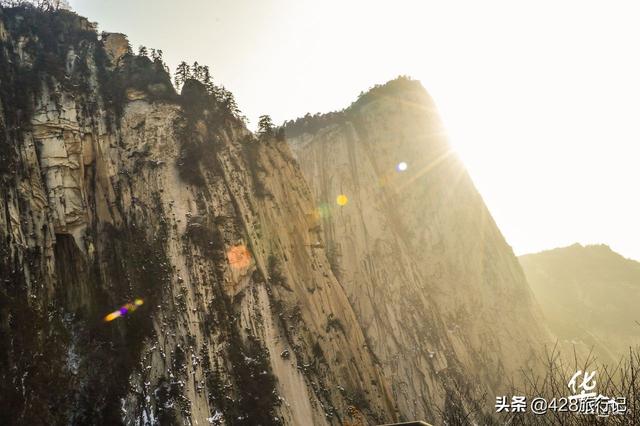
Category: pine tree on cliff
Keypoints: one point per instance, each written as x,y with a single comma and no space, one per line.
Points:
228,101
196,68
265,126
142,51
156,57
207,81
183,73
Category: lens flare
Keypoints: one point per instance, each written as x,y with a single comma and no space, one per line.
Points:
239,257
402,166
112,316
342,200
124,310
323,211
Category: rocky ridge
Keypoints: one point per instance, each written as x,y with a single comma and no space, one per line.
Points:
442,299
589,296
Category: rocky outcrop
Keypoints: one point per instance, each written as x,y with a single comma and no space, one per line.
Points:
444,304
109,197
116,45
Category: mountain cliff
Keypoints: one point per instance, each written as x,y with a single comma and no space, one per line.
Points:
443,302
115,188
589,295
161,264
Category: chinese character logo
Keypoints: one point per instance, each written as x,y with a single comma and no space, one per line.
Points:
585,382
585,400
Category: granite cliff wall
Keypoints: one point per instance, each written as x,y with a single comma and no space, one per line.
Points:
442,299
114,187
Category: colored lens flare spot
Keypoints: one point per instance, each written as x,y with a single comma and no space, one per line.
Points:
342,200
124,310
112,316
402,166
323,211
239,257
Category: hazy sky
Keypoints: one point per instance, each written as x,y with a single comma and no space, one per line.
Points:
541,99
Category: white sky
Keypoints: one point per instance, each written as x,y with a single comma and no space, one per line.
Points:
541,98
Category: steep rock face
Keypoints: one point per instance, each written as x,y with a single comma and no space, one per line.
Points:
589,295
442,299
115,188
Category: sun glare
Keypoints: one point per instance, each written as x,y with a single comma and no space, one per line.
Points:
540,99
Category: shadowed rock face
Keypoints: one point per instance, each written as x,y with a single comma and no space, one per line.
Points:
444,304
589,295
108,197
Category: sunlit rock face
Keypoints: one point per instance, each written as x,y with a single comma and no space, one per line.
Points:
441,297
590,297
116,46
109,199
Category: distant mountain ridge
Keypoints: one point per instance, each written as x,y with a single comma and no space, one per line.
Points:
589,294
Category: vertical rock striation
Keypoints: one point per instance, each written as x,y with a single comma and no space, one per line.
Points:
114,188
443,302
